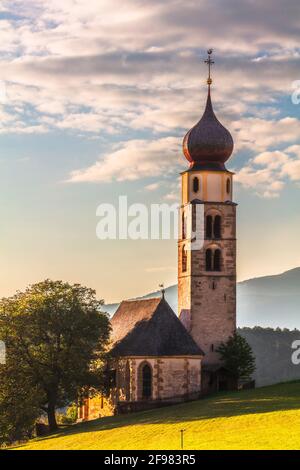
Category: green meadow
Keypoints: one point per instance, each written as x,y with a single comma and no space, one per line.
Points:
265,418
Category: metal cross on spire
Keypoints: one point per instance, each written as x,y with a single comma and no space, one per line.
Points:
162,289
209,62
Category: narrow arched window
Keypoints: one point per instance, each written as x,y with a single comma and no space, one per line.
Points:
194,220
217,226
217,260
146,382
209,226
208,260
127,381
196,184
228,186
184,259
183,223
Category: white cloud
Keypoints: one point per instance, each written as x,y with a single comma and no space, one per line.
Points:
292,170
278,168
132,160
143,62
119,66
172,196
152,187
294,150
260,134
271,159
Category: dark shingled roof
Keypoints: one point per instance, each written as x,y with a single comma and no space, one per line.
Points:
208,145
149,327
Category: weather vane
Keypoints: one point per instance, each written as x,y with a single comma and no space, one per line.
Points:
162,288
209,62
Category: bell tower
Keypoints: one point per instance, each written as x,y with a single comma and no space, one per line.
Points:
207,240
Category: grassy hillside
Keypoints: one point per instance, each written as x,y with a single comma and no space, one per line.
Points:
265,418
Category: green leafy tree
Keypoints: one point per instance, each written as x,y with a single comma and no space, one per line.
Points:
238,357
56,337
18,405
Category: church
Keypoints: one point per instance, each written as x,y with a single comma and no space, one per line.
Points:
157,357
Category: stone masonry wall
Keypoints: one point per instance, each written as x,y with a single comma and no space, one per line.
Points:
207,300
171,377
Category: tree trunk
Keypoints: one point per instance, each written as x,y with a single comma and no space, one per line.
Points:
51,410
51,417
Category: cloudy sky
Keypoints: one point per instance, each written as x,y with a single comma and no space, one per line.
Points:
95,98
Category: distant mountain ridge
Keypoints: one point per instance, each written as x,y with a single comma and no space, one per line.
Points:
268,301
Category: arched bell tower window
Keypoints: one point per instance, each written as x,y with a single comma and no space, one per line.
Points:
195,184
184,259
217,260
228,186
213,260
209,226
217,226
208,259
213,227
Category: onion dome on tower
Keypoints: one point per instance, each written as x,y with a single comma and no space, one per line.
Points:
208,145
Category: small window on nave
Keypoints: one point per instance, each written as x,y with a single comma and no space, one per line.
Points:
146,382
127,381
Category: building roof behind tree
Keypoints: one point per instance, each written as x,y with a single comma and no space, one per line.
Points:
149,327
